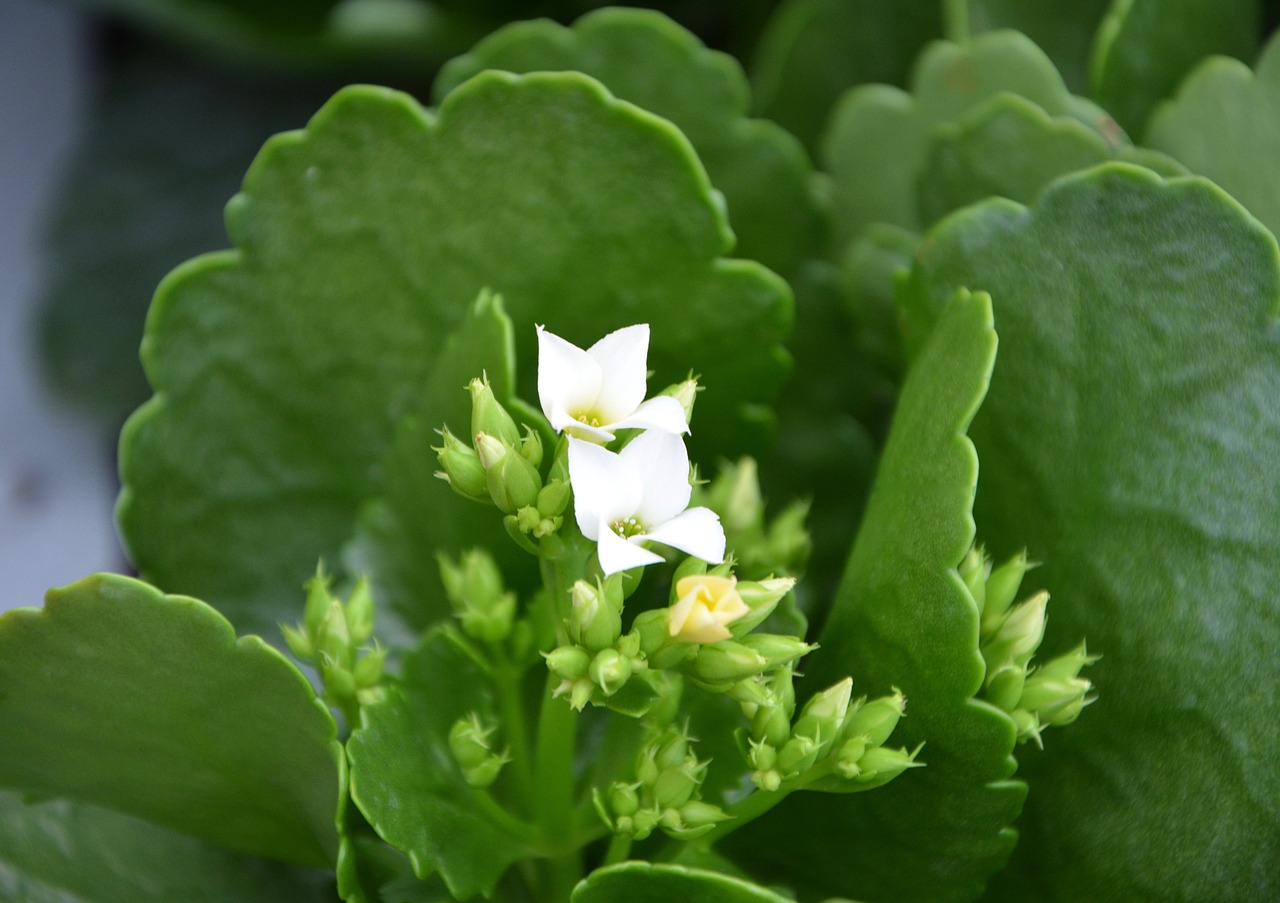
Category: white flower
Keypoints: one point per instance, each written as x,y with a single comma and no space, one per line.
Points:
590,394
640,494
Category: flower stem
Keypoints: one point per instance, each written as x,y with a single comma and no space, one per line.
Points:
553,782
506,680
619,849
956,16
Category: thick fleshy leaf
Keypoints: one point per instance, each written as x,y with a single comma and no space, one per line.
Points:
1064,29
1145,48
647,59
1225,124
646,882
1129,442
117,695
903,618
811,51
281,368
877,146
62,852
407,783
167,142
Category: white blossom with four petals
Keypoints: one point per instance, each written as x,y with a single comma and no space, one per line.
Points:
641,494
591,394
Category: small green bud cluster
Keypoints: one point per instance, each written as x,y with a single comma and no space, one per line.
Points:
834,743
1053,694
469,742
333,636
665,794
501,467
479,599
781,546
598,661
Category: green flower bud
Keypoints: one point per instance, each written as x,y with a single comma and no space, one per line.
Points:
761,597
1002,589
676,786
298,643
1028,725
874,721
752,693
788,543
623,799
468,740
531,447
742,507
339,683
610,670
569,662
777,649
671,749
579,692
797,755
727,661
647,769
1056,702
767,779
489,416
698,814
1019,635
318,599
974,570
513,482
879,765
490,450
823,714
476,592
762,755
644,821
486,772
686,393
553,498
847,758
460,467
334,641
359,613
595,620
772,723
368,669
1004,686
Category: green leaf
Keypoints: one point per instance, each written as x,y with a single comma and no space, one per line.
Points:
1225,124
117,695
407,783
647,59
399,533
1129,442
62,852
167,142
811,51
1064,29
877,146
644,882
903,618
282,368
1145,47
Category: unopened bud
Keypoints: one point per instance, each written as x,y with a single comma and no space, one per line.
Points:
823,714
339,682
686,393
359,612
460,467
727,662
298,643
1019,636
513,482
334,641
761,597
610,670
879,765
318,599
468,740
1004,686
697,818
974,570
569,662
797,755
595,621
368,669
874,721
553,498
848,756
777,649
476,592
531,447
1002,589
489,416
623,799
486,772
671,748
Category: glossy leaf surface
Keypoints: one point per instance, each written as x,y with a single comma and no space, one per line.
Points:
407,783
1145,47
61,852
117,695
1225,124
903,618
644,882
281,368
1129,441
647,59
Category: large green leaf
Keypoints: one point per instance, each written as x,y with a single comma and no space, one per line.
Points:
1225,124
167,142
117,695
61,852
903,618
645,58
877,146
1064,29
811,51
282,367
1130,441
1145,47
407,783
644,882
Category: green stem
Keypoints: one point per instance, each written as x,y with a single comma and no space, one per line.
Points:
748,809
506,680
504,819
955,15
619,849
553,782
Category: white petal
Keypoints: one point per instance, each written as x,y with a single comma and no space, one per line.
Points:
662,413
568,377
618,554
623,359
561,421
605,488
696,531
663,464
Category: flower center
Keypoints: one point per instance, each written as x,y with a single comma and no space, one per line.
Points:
627,527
